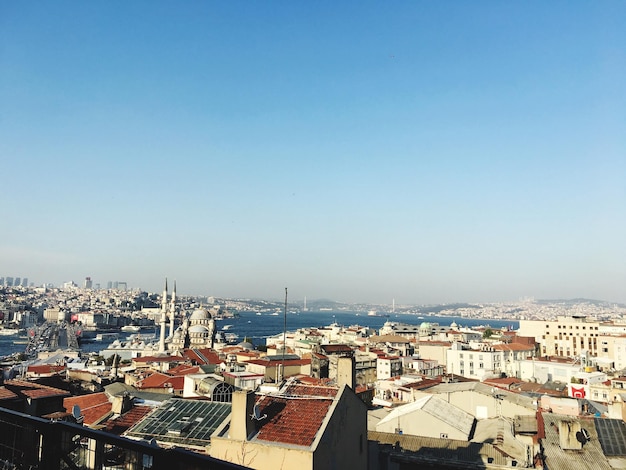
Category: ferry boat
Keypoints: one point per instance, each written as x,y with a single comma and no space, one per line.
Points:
107,336
131,328
9,331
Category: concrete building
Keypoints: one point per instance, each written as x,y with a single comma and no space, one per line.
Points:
430,416
388,366
436,350
565,337
488,362
483,401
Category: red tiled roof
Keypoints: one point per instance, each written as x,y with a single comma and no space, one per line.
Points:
335,348
247,354
147,359
292,421
34,390
184,369
203,356
503,381
308,380
288,362
159,380
307,390
93,407
512,347
6,394
128,419
424,384
45,369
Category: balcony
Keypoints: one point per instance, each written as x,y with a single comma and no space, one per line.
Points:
32,443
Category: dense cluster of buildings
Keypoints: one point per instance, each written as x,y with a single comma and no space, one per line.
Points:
551,394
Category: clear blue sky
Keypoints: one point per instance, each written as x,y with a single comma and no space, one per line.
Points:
420,151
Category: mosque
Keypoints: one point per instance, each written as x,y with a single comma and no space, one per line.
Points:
196,331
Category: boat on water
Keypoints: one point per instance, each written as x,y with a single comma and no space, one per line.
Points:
227,327
231,338
131,328
107,336
9,331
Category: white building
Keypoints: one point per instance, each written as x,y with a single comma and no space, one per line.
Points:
489,361
388,366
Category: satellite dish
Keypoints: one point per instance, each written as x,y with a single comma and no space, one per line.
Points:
76,412
256,413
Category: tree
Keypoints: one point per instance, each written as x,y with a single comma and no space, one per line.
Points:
488,333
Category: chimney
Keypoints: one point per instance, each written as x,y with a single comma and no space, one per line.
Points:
568,435
346,372
120,404
241,424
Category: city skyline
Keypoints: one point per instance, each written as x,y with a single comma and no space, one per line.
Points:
428,153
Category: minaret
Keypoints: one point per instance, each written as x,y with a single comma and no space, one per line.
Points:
163,319
172,311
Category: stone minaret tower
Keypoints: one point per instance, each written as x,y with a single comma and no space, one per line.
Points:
172,311
163,318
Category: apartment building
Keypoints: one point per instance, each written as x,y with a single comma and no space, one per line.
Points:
489,361
565,337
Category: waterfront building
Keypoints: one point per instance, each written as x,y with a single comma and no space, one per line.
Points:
197,331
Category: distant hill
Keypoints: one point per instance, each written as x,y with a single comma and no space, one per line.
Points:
600,303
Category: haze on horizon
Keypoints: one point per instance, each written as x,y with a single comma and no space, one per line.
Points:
423,152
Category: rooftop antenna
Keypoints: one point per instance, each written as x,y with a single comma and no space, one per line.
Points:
284,335
256,413
77,414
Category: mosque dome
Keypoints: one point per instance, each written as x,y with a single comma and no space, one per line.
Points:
453,325
200,314
199,329
246,345
425,325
